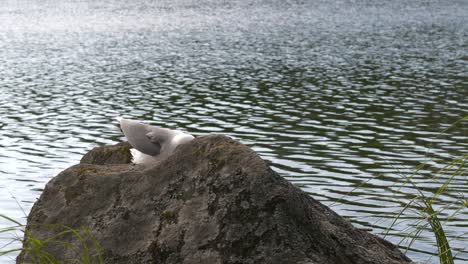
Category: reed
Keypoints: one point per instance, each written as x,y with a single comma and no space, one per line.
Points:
426,204
454,169
35,249
425,207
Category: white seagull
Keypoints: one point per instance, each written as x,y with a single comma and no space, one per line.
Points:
151,144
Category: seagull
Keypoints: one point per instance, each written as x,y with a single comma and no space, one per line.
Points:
151,144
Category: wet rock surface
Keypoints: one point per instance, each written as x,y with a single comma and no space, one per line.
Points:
213,201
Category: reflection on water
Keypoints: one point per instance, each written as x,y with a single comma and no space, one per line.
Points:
338,95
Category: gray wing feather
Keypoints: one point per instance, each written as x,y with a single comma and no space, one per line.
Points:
136,134
158,135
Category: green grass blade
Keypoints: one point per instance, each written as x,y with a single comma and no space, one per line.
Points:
10,219
9,251
445,252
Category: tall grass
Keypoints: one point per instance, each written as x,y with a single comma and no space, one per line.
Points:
424,203
34,249
427,204
454,169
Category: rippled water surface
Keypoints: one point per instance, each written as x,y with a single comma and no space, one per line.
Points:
343,97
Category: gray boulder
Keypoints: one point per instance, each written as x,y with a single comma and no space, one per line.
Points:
213,201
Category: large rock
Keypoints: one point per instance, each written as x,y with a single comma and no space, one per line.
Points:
213,201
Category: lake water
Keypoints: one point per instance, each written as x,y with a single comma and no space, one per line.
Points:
344,97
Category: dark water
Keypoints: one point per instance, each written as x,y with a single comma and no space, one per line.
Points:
341,96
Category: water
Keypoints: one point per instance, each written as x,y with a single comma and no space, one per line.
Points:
341,96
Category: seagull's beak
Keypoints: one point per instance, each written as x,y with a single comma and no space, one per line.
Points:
117,125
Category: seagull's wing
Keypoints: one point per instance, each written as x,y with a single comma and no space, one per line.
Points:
158,135
136,134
